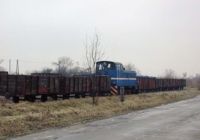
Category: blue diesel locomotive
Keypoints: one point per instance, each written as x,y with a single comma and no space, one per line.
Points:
119,76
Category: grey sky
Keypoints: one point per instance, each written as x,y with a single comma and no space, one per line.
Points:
153,34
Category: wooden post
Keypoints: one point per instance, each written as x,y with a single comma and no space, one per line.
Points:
121,94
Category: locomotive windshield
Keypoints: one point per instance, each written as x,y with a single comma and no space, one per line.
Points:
105,66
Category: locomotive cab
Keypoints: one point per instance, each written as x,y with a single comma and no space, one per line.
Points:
119,76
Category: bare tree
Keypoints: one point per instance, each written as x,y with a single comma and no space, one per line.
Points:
185,75
93,52
64,65
47,70
76,69
132,67
169,73
1,68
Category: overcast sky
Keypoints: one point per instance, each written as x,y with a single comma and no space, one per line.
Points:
152,34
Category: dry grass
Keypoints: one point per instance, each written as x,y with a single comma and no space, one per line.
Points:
25,117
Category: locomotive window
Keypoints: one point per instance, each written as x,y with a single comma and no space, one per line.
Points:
106,66
100,67
111,66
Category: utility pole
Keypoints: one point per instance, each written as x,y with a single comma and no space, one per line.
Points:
17,68
9,65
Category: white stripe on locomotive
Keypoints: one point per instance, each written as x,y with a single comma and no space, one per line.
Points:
123,78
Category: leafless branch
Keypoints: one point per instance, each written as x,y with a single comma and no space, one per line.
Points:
1,68
169,73
93,52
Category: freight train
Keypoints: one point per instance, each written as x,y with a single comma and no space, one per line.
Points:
108,79
133,83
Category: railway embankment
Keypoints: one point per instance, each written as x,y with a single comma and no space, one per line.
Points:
25,117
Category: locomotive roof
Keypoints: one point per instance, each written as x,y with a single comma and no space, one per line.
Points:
109,62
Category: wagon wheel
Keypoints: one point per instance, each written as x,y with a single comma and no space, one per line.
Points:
7,96
65,96
54,97
77,95
15,99
83,95
43,98
32,98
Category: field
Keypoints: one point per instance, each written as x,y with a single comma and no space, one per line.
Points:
24,118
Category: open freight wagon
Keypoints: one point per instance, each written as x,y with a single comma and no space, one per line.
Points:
148,84
31,87
3,83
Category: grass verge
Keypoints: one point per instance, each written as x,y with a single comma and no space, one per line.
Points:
24,118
